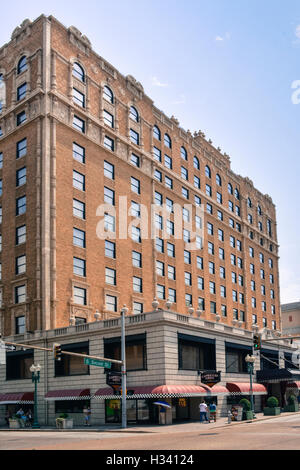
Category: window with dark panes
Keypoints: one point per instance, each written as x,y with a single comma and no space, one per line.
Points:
235,357
136,351
72,365
196,353
18,364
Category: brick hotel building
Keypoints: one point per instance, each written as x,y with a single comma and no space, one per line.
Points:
76,134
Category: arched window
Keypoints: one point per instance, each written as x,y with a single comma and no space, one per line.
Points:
236,193
196,163
156,133
183,153
207,171
108,94
249,202
22,64
134,115
218,180
78,72
167,140
230,190
259,211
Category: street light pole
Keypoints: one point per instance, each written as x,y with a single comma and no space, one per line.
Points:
35,370
250,364
123,359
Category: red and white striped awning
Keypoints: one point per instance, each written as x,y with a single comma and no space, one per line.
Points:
243,388
163,391
24,398
78,394
295,384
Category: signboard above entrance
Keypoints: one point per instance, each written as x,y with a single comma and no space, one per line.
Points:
210,377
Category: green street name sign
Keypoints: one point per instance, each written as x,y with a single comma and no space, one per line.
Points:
97,362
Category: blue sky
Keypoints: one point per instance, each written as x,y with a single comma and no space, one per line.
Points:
225,67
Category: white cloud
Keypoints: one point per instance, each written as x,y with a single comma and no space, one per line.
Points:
156,82
222,38
219,38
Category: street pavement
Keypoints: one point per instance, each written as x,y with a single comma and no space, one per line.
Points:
264,433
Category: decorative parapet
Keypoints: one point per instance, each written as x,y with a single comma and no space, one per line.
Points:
79,40
22,31
134,86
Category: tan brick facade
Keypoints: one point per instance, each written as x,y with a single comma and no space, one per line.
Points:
51,50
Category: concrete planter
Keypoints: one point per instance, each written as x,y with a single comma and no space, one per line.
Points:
247,415
64,423
272,411
291,408
14,424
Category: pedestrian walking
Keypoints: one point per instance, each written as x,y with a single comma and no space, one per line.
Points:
87,415
213,412
7,416
203,412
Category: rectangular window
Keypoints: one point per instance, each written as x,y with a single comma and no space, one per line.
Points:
135,185
109,143
21,205
136,259
187,257
169,205
221,253
78,98
171,272
21,91
108,118
210,228
159,244
20,264
20,294
211,249
160,268
78,181
137,308
78,209
21,176
200,283
110,249
78,237
222,272
79,124
109,196
79,267
136,234
135,160
196,182
110,276
21,148
72,366
184,173
168,162
109,170
172,295
160,290
212,287
134,137
137,284
135,209
211,267
168,182
213,307
188,300
79,296
188,279
171,250
78,153
158,175
185,192
20,325
18,363
157,154
209,208
21,117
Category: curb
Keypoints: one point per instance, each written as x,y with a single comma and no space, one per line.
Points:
143,431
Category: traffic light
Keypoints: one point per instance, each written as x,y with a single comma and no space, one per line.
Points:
57,351
257,342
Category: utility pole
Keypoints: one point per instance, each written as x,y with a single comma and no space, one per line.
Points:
123,359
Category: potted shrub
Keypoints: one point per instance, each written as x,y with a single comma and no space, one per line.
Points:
292,404
14,422
272,407
64,422
247,412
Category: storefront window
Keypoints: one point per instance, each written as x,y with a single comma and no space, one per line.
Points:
71,406
72,365
18,364
196,353
136,352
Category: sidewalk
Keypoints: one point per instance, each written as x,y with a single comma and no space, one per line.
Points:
150,428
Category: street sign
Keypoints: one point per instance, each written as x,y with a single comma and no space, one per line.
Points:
7,347
96,362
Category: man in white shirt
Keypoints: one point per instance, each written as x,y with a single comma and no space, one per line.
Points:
203,412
